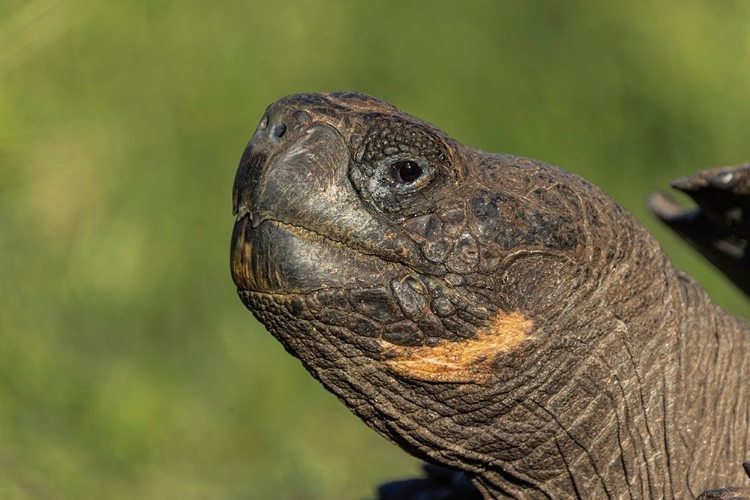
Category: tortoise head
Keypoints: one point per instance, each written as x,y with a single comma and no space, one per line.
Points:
429,285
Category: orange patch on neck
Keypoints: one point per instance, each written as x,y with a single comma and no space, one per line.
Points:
462,361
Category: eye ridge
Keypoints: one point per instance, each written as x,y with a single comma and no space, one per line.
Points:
407,171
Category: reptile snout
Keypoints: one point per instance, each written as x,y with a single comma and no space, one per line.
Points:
279,130
272,127
278,120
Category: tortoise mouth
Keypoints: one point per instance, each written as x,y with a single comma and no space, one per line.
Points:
278,257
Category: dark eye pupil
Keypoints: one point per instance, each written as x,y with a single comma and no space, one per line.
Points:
408,171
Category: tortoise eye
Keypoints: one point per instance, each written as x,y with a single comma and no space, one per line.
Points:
394,182
407,171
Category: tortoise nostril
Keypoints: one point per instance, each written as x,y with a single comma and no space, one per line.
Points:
278,131
263,123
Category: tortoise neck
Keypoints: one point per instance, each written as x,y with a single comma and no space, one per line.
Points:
605,431
658,408
711,396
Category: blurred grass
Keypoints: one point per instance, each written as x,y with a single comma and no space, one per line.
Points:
128,368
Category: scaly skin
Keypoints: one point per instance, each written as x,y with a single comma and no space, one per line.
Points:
493,314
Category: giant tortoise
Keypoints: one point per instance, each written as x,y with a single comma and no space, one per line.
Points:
493,314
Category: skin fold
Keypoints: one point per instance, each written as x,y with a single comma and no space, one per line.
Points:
486,312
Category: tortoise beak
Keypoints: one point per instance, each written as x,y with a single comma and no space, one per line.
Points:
293,180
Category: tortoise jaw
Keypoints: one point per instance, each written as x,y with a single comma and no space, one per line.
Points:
276,257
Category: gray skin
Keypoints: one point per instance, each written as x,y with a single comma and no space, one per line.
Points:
486,312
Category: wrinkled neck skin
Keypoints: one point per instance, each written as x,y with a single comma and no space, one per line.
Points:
656,407
564,356
711,395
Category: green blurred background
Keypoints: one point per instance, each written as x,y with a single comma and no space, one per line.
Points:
128,367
